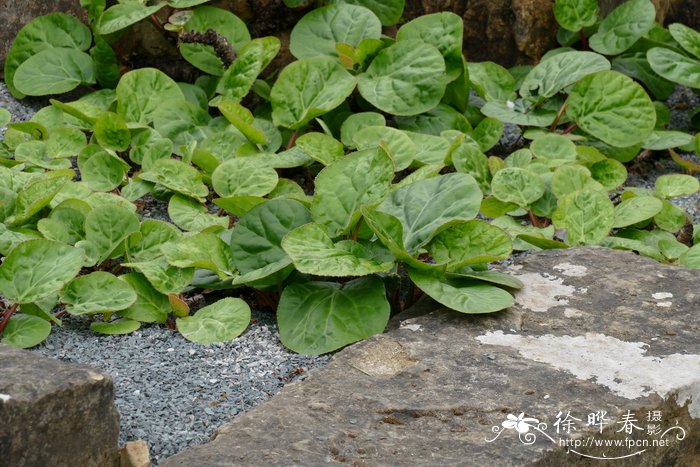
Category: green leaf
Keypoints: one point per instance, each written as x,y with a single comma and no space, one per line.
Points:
36,195
388,11
435,121
426,207
623,27
221,321
587,215
689,259
313,252
356,122
487,133
660,139
492,277
671,218
5,117
41,33
224,23
100,170
461,295
321,147
674,66
574,15
395,142
54,71
633,245
97,292
123,15
150,306
145,245
570,178
510,113
182,122
38,268
687,37
165,278
65,142
467,158
470,242
407,78
674,185
111,132
190,215
636,209
609,173
493,207
613,108
444,31
107,72
319,317
203,250
241,118
359,179
25,331
516,185
252,59
106,227
177,176
308,88
554,74
491,81
318,32
637,66
141,92
239,205
118,326
36,153
244,177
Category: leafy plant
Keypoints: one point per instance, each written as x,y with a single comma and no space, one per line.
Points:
353,185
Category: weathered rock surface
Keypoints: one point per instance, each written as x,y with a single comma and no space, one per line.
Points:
606,337
55,413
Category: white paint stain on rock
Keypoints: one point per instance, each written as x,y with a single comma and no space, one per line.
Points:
5,397
411,327
665,304
662,295
541,293
571,270
620,366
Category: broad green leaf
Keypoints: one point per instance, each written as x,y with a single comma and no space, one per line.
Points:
165,278
319,317
388,11
41,33
508,112
407,78
107,71
106,227
520,158
136,189
313,252
257,238
252,59
636,209
671,218
491,81
97,292
100,170
465,296
487,133
609,173
613,108
241,118
150,306
444,31
38,268
118,326
359,179
12,237
636,65
554,147
689,259
36,195
632,245
65,142
221,321
224,23
687,37
145,245
36,153
660,139
203,250
182,122
318,32
239,206
470,242
190,215
321,147
395,142
177,176
54,71
308,88
674,66
426,207
148,146
587,216
244,177
25,331
623,27
574,15
123,15
516,185
672,249
5,117
141,92
356,122
7,202
430,150
671,186
492,277
570,178
467,158
493,207
111,132
554,74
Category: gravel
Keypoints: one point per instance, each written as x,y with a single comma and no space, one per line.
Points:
173,393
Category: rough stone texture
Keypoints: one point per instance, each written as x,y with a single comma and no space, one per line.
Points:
135,454
593,330
55,413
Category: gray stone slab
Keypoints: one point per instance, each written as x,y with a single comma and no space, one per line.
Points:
54,413
593,331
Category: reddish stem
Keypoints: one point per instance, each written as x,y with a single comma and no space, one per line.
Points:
7,316
356,231
534,219
569,129
156,22
555,123
584,40
292,139
60,313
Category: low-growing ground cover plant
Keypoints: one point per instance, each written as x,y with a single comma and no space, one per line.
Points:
360,176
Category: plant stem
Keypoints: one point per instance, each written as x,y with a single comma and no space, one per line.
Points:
156,22
293,139
584,40
356,231
8,314
60,313
555,123
569,129
534,219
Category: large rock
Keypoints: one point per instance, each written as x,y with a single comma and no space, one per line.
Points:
603,336
55,413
